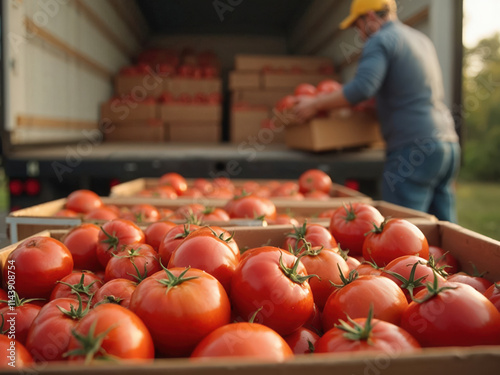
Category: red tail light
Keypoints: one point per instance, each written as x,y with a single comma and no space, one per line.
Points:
352,184
32,186
16,187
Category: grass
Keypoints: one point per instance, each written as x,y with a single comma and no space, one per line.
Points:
478,207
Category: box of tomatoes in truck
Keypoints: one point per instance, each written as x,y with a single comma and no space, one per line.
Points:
454,354
334,130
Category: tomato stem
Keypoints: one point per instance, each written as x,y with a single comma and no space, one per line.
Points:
254,315
172,280
433,263
20,301
112,241
409,284
355,331
350,214
78,313
433,290
292,274
353,275
90,345
80,288
475,272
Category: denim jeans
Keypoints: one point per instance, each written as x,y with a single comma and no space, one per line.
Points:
421,177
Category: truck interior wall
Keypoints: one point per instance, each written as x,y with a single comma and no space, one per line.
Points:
61,58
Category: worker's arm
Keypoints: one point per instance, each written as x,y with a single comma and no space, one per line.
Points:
371,72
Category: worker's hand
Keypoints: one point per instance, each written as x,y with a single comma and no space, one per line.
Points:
305,108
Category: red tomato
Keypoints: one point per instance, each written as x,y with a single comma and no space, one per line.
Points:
81,241
223,182
192,192
493,294
477,282
18,320
356,298
328,86
201,298
134,262
243,339
50,332
453,315
315,179
203,185
305,89
14,354
79,283
66,213
286,189
227,237
204,250
314,234
35,265
444,260
367,335
318,195
285,103
369,268
394,238
175,180
302,341
114,235
118,291
167,192
214,214
172,239
83,201
251,207
155,232
101,213
191,212
145,213
285,219
327,265
275,280
124,335
349,224
411,273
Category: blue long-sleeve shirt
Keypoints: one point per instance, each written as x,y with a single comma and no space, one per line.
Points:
399,66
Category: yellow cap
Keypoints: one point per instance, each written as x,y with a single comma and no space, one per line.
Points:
361,7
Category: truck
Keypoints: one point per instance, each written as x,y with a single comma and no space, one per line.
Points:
59,59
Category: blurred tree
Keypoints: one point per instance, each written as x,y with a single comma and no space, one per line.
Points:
481,109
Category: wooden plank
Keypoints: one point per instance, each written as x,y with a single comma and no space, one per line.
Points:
129,21
48,37
28,121
103,27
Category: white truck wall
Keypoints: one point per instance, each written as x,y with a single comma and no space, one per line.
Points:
318,33
60,57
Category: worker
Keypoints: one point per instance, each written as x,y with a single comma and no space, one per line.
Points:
399,67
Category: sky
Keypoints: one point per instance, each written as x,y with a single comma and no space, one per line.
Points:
481,19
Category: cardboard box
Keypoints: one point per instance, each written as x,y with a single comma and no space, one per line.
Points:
128,111
342,129
248,123
139,86
267,98
190,113
244,80
151,131
195,131
191,86
259,62
468,247
271,81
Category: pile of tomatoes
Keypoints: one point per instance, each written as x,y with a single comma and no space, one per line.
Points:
249,201
116,291
312,183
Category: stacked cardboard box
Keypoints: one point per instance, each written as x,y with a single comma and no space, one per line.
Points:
258,82
167,96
